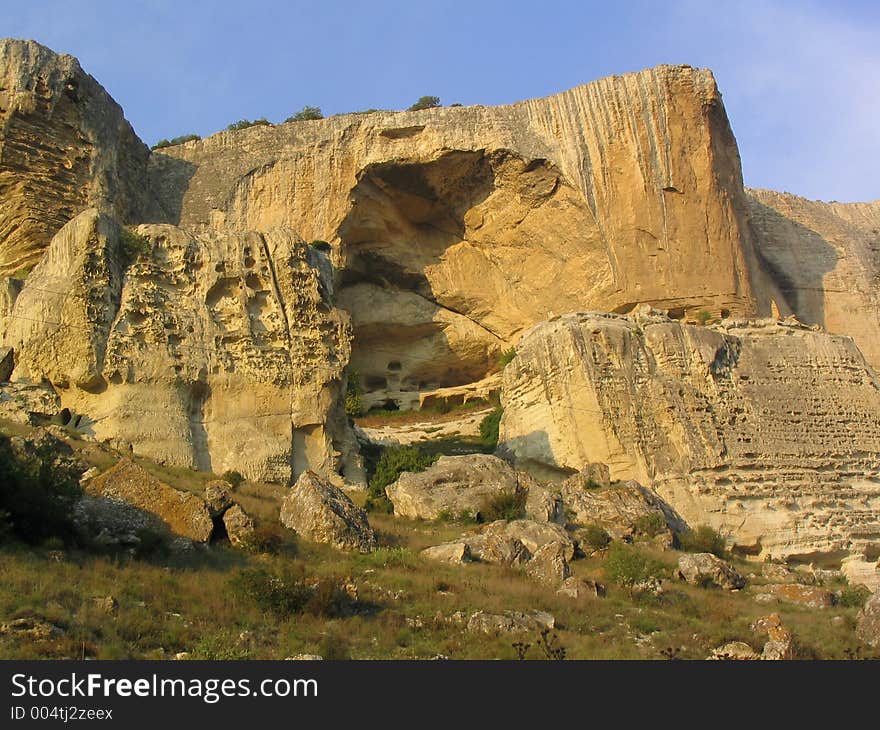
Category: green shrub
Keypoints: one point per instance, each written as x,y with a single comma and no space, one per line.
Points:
505,506
233,477
319,245
245,123
36,496
489,428
425,102
354,404
334,647
595,537
281,595
306,114
223,645
133,245
162,143
266,538
704,317
391,464
506,356
702,540
853,596
651,524
627,565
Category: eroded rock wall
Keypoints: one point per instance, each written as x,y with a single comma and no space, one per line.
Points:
217,352
64,146
769,432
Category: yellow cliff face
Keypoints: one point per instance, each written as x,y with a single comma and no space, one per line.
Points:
64,146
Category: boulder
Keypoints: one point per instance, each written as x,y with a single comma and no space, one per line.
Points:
533,535
239,527
184,514
320,511
32,404
801,595
708,569
735,651
868,626
622,510
502,549
454,553
545,504
454,484
573,587
510,622
549,565
780,642
217,496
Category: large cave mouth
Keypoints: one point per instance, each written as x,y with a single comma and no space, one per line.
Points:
432,306
405,217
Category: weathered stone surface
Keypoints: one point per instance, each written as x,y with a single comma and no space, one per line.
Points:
454,484
824,261
574,587
549,564
735,651
217,497
768,432
510,622
239,527
808,596
622,510
868,627
709,569
544,504
64,146
321,512
778,573
184,514
218,352
31,404
780,642
533,535
455,553
500,549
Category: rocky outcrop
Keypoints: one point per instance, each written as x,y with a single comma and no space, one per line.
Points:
767,431
454,485
706,569
801,595
824,260
64,147
321,512
219,352
184,514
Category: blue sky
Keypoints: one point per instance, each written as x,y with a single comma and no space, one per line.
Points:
800,79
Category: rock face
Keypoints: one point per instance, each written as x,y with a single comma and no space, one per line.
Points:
321,512
769,432
454,484
824,259
184,514
64,146
218,352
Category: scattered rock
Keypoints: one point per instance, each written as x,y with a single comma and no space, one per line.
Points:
801,595
455,553
549,565
184,514
239,527
217,497
735,651
780,643
321,512
304,658
868,627
573,587
32,627
510,622
708,569
107,604
453,485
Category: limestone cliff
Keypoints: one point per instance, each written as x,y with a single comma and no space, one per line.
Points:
622,191
767,431
64,146
825,259
221,351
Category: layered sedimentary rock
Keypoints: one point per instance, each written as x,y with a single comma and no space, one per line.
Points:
465,226
768,431
825,259
215,352
64,146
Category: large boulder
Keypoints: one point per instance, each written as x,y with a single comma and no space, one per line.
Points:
320,511
622,510
239,526
801,595
454,553
184,514
510,622
868,628
549,564
453,485
708,569
532,535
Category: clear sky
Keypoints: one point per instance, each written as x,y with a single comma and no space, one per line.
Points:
800,78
